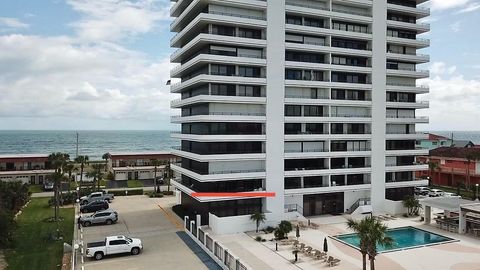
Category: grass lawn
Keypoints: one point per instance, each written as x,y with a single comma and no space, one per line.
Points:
32,249
134,183
35,188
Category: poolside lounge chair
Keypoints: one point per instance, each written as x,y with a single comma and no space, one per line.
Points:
391,217
295,243
328,259
334,262
302,225
314,225
307,249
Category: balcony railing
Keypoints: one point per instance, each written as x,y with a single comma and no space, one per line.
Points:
352,115
407,85
263,18
307,97
175,117
317,150
353,12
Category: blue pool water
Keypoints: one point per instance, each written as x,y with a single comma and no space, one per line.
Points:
405,237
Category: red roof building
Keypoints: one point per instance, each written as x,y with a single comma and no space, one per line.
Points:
454,165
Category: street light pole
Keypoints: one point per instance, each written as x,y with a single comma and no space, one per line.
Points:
476,192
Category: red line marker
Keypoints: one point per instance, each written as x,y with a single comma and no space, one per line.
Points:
233,194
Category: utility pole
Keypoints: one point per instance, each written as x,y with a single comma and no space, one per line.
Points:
76,153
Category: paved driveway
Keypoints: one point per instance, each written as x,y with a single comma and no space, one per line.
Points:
153,222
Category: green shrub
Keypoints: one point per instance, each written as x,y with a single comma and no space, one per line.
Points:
153,194
269,229
258,239
283,229
131,192
166,193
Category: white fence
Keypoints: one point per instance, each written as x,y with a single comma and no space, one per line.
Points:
219,253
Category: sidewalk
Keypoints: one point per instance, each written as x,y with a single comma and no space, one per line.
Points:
50,193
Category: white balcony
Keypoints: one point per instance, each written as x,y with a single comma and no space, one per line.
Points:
413,136
419,12
412,152
413,183
224,176
415,105
325,154
217,99
330,189
220,118
419,27
218,138
418,89
418,43
420,74
407,168
407,119
224,157
204,59
206,78
416,58
203,39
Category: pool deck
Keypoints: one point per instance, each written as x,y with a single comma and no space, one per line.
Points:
460,255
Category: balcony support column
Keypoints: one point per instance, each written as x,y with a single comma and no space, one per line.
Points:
379,95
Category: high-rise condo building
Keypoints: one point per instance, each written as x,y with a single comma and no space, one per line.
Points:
315,100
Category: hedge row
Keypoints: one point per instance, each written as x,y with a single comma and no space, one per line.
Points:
131,192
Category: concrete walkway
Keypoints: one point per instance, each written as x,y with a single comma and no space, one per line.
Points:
199,252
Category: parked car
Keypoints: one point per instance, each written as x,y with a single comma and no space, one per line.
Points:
94,206
435,193
108,217
422,191
450,194
114,245
48,186
95,196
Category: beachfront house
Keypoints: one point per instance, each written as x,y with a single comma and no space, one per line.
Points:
138,166
27,168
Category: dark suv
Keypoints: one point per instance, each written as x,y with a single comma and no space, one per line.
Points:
94,206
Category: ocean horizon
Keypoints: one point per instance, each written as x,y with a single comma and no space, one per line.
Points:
94,143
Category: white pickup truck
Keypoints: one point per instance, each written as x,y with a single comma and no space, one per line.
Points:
114,245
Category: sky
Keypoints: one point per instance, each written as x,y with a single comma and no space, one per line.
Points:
103,64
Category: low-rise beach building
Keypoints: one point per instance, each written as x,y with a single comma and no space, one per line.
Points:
454,165
138,166
27,168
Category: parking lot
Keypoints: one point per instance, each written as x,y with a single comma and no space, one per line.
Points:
157,227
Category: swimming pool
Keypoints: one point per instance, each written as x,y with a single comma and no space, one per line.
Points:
404,238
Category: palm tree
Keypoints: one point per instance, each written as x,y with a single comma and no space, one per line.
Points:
168,174
412,204
69,168
432,166
156,163
97,174
258,217
82,160
470,157
106,156
58,161
371,232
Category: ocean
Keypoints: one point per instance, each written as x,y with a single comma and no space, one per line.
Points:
91,143
96,143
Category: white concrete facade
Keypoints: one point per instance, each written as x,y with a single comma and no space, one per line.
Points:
314,100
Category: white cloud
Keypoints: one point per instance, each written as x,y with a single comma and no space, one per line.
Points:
440,68
456,26
110,20
454,103
471,7
6,22
57,76
447,4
